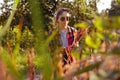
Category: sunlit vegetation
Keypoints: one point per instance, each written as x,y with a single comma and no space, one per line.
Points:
26,53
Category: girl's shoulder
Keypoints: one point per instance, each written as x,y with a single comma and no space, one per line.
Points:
73,29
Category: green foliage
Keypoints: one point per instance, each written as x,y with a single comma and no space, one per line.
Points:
80,11
100,29
11,66
115,8
81,25
94,43
86,69
49,7
98,23
44,57
3,31
116,51
26,39
118,1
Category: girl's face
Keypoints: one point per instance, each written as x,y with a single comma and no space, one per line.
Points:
63,19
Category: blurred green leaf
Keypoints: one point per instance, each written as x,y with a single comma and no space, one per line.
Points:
92,43
118,1
81,25
88,68
15,4
40,48
11,65
99,35
51,37
98,23
116,50
7,25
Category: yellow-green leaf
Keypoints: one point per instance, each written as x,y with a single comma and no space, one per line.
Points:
118,2
99,35
81,25
98,23
94,43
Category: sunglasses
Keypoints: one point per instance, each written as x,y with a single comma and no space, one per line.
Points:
65,18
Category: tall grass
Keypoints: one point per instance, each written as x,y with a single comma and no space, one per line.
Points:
7,25
43,60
